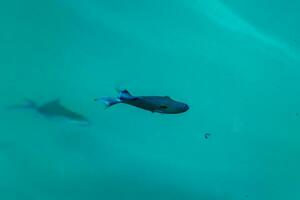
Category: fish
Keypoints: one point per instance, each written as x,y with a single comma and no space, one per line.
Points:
207,135
55,110
158,104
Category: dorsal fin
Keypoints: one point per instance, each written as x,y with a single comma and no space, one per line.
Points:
125,92
125,95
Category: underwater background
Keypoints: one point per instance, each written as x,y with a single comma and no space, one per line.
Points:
236,63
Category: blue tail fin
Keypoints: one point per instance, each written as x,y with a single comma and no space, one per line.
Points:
109,101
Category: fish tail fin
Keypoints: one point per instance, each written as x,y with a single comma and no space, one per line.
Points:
108,101
28,104
125,95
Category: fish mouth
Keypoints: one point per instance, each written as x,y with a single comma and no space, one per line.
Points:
186,107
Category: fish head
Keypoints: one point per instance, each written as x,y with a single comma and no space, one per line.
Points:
170,106
178,107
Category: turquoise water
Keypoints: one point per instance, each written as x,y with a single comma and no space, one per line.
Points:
236,63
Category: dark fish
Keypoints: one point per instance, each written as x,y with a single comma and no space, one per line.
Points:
207,135
54,109
160,104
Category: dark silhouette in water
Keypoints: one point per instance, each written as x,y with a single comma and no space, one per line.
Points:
54,109
207,135
160,104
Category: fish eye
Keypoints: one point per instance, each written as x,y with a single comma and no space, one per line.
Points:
186,106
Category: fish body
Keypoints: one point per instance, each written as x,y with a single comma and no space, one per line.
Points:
159,104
